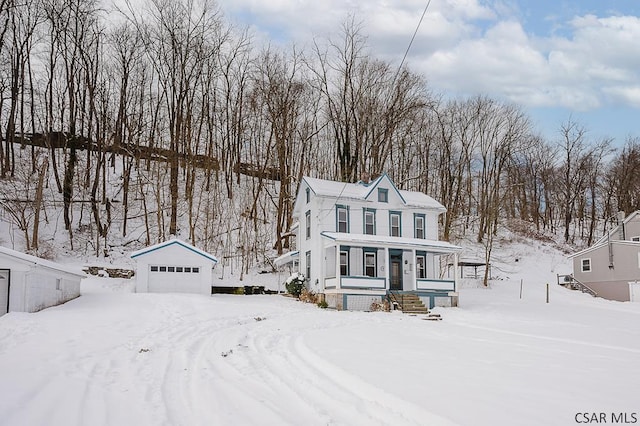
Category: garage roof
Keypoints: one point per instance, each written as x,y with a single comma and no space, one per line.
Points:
172,242
27,258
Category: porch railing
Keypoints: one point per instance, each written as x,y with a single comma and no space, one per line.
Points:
571,282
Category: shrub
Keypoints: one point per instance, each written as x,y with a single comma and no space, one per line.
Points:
295,284
308,296
323,304
382,306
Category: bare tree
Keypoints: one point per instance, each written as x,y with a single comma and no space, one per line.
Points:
574,149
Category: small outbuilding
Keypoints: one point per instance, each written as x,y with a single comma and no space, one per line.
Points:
174,266
29,283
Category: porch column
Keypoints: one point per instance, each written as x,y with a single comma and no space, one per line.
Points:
455,271
337,271
414,269
387,269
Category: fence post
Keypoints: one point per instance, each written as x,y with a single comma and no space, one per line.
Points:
520,288
547,292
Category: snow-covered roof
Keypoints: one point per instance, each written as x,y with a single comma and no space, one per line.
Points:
27,258
599,245
611,235
387,241
174,242
360,191
286,258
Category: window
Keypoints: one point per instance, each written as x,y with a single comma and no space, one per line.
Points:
308,263
58,284
369,221
344,262
308,192
156,268
342,218
635,239
308,224
586,265
370,264
420,269
383,195
394,224
418,220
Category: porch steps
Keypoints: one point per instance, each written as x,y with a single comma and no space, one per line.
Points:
570,282
409,303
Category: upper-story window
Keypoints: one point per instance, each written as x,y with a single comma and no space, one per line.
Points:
395,221
383,195
342,219
369,221
637,239
586,265
418,224
307,217
308,194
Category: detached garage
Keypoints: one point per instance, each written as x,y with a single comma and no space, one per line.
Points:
29,283
174,267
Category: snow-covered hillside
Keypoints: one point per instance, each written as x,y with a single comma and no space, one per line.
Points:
112,357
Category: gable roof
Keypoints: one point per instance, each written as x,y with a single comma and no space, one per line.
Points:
27,258
360,191
384,177
175,241
616,230
599,245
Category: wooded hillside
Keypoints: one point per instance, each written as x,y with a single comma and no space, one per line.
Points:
138,126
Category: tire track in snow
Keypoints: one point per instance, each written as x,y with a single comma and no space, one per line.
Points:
312,390
549,338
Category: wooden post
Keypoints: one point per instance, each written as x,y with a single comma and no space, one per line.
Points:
520,288
547,292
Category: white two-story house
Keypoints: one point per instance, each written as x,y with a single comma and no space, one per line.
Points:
364,242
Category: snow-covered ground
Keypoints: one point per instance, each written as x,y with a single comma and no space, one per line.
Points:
112,357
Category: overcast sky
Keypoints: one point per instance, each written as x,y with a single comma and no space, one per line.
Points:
556,58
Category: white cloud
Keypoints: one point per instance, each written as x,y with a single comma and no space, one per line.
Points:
629,95
466,47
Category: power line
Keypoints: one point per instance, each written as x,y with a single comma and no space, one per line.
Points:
406,53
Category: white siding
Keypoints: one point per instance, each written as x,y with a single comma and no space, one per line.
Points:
34,287
174,255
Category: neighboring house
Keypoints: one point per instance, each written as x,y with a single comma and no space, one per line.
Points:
174,267
29,283
611,267
358,242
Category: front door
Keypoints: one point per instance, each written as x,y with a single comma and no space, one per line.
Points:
4,291
396,271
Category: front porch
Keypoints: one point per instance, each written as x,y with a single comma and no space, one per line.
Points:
361,266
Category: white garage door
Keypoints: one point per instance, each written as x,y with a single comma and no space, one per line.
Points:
174,279
4,291
634,292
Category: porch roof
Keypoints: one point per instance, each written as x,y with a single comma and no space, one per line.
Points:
392,242
286,258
